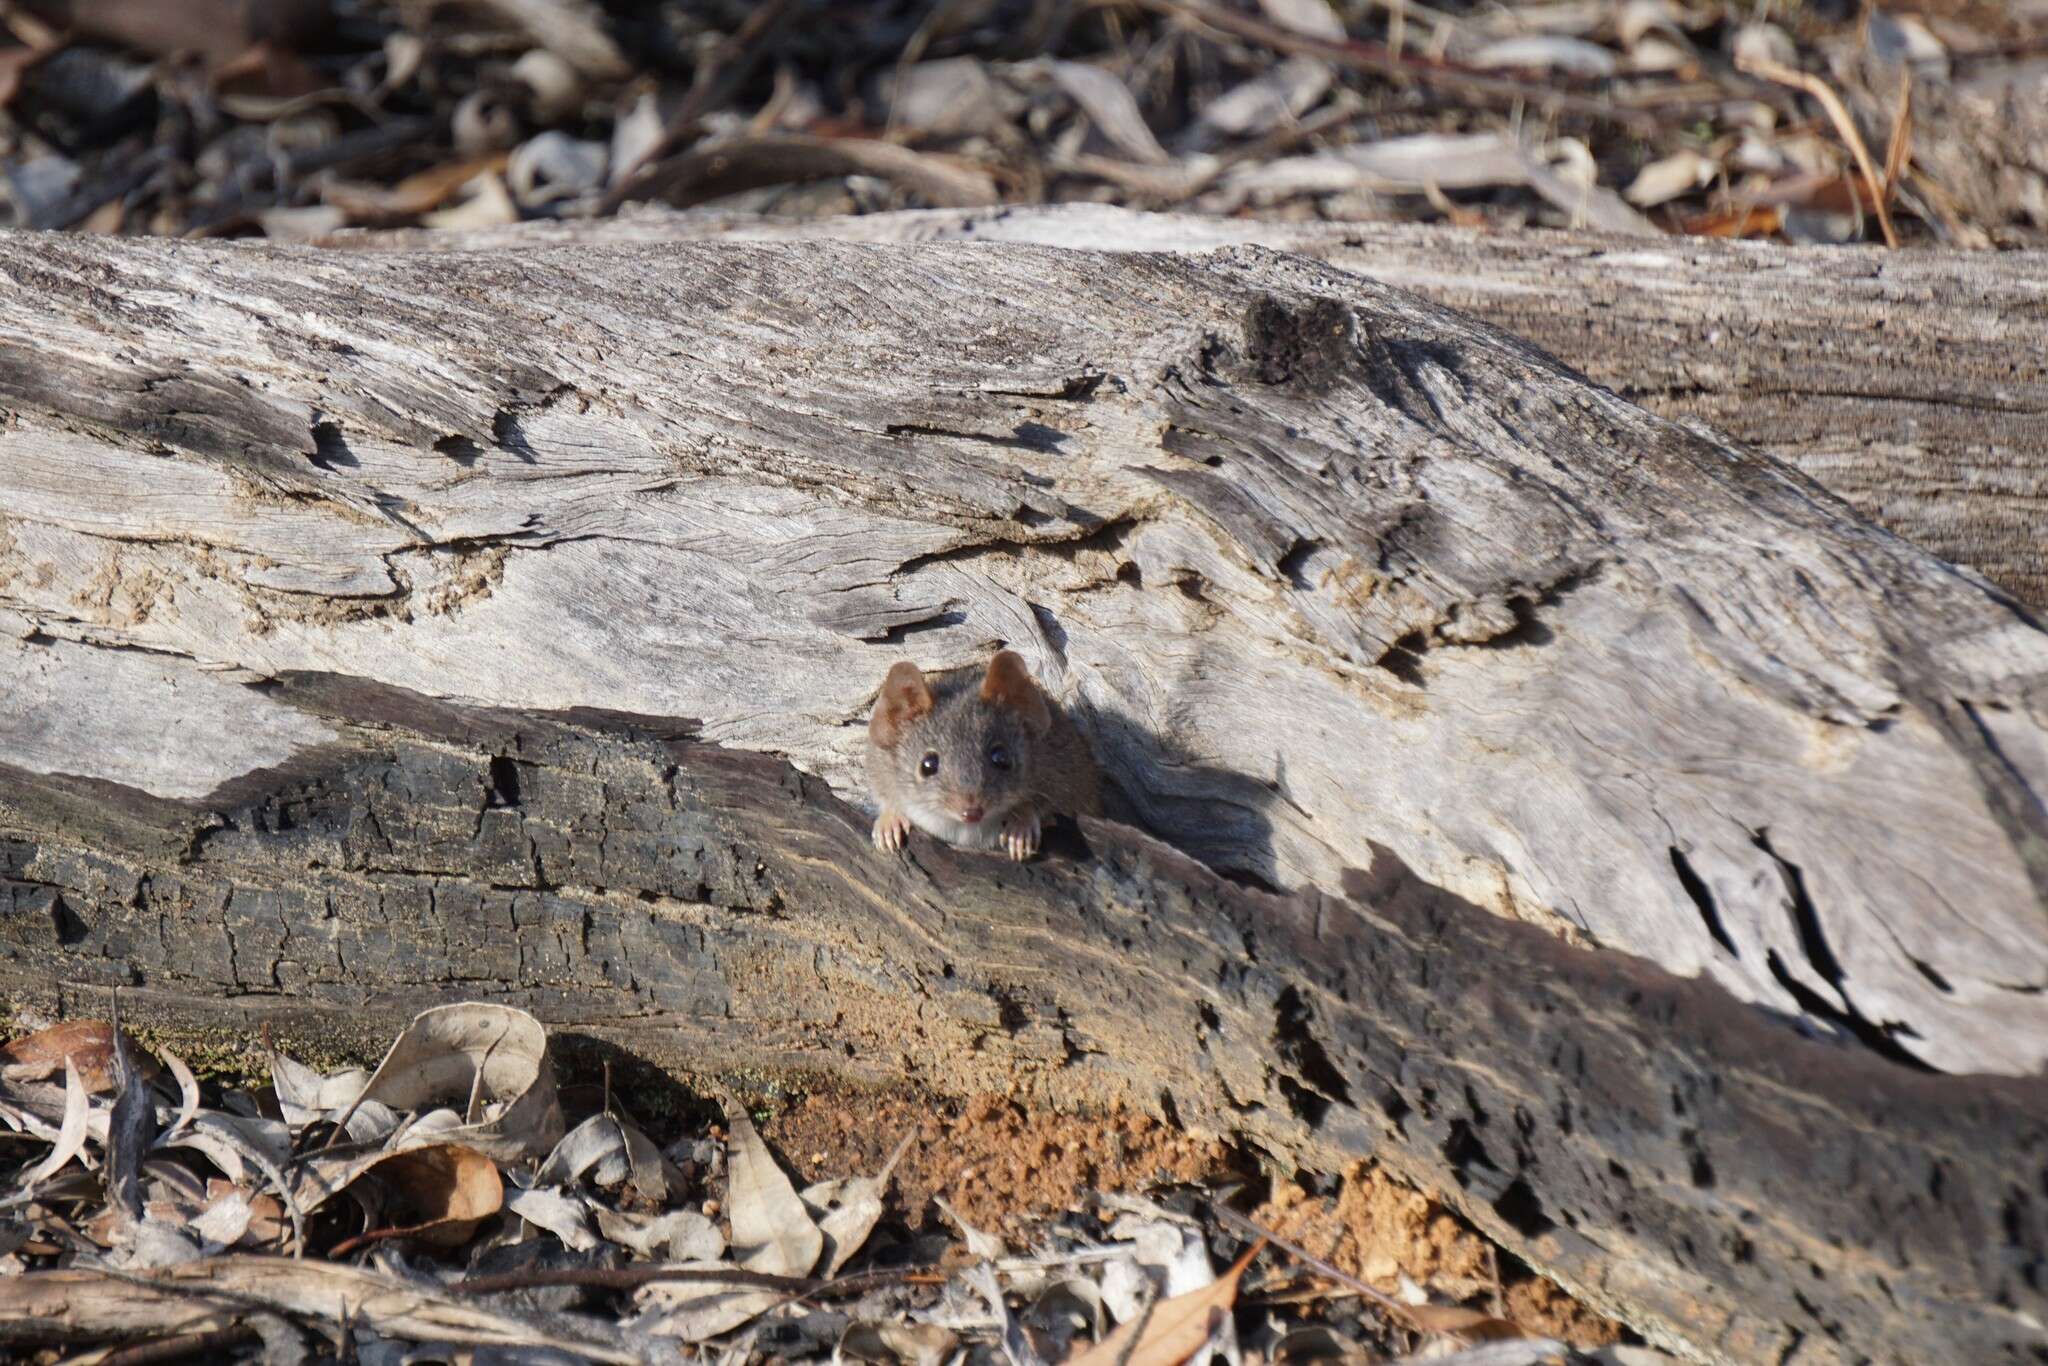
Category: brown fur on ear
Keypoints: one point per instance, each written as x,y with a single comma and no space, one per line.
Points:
905,696
1009,684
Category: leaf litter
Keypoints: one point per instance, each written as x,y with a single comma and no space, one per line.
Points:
440,1207
305,118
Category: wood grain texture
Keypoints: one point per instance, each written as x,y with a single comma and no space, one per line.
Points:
1912,384
1733,1189
1323,570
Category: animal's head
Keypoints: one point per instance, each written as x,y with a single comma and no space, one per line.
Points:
965,758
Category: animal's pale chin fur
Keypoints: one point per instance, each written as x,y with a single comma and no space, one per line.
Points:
934,821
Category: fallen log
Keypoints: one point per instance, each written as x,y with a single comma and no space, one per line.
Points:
1677,1159
1911,384
357,605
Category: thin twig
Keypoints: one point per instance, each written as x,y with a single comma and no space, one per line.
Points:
633,1277
1902,136
1844,125
1232,1218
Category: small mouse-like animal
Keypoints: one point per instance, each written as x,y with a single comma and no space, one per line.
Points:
978,760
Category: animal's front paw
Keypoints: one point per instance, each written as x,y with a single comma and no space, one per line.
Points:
891,829
1019,834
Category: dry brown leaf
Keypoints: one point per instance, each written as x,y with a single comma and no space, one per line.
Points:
1466,1325
447,1188
753,160
1757,220
88,1043
14,61
216,30
560,1213
1175,1329
488,204
771,1230
419,193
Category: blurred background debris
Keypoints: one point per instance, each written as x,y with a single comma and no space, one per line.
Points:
1801,120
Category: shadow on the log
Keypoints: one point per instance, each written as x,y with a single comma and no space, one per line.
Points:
1216,816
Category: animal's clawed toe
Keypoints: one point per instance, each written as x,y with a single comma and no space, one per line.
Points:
1020,835
890,832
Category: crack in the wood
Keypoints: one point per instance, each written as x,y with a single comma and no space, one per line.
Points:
1881,1038
1025,436
1702,899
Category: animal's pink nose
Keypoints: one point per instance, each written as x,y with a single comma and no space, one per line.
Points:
972,812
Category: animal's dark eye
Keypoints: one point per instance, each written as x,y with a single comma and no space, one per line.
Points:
999,755
928,765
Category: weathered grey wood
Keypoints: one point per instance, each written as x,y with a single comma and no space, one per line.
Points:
1326,572
1733,1189
1913,384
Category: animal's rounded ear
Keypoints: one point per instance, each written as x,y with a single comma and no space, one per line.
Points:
1009,684
905,696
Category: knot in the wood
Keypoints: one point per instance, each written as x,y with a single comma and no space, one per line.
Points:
1305,343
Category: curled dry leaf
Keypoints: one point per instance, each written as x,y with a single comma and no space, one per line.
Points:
417,194
636,136
752,160
1467,1326
1450,161
1175,1329
596,1146
446,1187
490,1059
70,1134
305,1095
131,1128
611,1151
560,1213
573,30
951,97
188,1096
